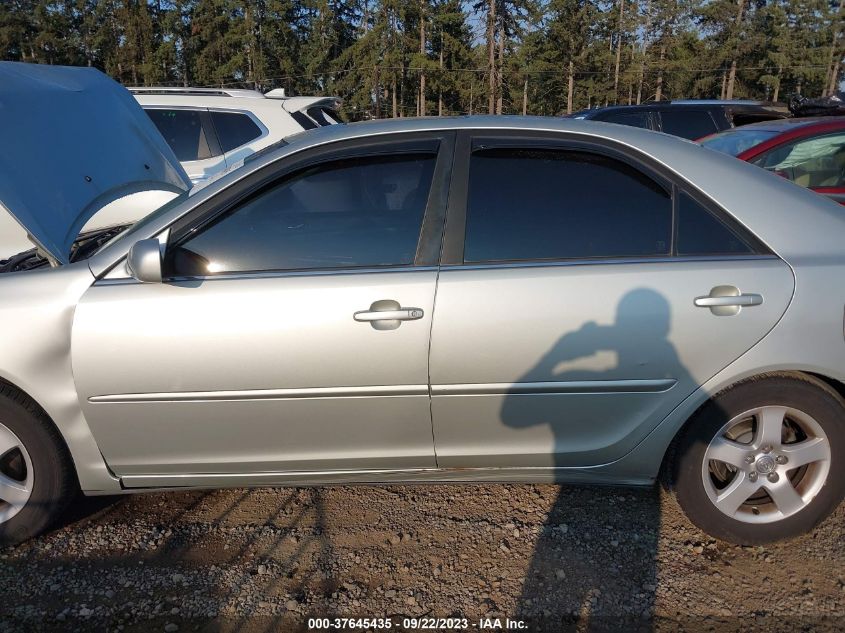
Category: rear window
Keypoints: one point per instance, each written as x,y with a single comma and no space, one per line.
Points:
690,124
735,142
234,129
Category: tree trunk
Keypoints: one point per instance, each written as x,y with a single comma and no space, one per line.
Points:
618,52
835,60
393,97
525,97
500,69
724,84
729,92
658,93
440,85
491,55
377,91
571,87
777,84
421,107
645,50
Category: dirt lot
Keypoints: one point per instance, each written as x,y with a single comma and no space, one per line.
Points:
581,559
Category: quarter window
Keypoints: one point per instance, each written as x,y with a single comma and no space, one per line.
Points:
349,213
702,233
234,129
543,204
184,132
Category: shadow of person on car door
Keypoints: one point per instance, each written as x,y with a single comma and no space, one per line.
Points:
594,566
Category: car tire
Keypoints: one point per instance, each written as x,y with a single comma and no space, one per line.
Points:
35,469
731,447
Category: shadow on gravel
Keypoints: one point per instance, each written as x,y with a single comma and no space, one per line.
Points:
576,580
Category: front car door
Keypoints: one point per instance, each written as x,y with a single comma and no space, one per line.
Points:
579,302
291,332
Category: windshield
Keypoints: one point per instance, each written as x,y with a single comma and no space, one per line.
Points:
736,141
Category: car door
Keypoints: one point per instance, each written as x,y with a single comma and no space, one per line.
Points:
291,332
582,296
816,162
190,133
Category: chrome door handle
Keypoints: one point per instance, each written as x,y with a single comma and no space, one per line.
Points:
387,314
739,300
403,314
727,300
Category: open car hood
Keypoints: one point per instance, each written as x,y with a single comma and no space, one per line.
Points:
73,141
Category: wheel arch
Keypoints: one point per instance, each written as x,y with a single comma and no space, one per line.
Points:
820,380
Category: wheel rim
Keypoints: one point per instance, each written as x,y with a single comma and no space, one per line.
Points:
16,475
766,464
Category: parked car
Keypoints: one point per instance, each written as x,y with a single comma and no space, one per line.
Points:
279,325
809,152
691,118
211,129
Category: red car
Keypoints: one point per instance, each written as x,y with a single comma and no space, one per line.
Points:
807,151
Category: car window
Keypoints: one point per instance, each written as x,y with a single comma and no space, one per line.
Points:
634,119
324,116
702,233
810,162
344,214
536,204
184,132
736,141
691,124
234,129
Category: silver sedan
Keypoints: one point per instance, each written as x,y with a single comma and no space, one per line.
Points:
449,300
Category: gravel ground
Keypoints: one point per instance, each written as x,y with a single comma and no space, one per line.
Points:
580,559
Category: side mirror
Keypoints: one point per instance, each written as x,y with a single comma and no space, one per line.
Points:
144,261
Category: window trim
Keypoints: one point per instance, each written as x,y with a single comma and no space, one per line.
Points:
469,140
432,225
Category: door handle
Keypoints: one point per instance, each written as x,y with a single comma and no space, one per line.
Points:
403,314
739,300
387,314
727,300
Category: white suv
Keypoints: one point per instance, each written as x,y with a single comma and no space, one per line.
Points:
212,129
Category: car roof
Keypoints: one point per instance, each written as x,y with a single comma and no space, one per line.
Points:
796,123
686,104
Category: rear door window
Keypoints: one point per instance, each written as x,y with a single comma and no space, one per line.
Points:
690,124
234,129
185,131
562,204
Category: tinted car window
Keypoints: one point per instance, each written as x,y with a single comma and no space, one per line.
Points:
691,124
702,233
348,213
811,162
558,204
736,141
634,119
234,130
184,132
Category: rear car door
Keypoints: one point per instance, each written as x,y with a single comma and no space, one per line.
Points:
291,332
190,133
580,301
